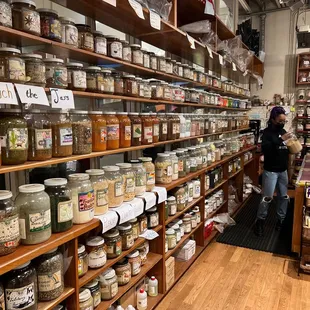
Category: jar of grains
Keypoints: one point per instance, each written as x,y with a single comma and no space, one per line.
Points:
69,31
113,242
100,43
35,69
5,18
125,230
95,248
94,79
113,127
163,169
137,54
135,262
82,262
129,181
56,73
86,301
150,172
175,165
123,271
108,284
85,37
99,131
94,289
115,47
136,129
180,195
140,176
76,76
50,24
127,53
124,129
108,81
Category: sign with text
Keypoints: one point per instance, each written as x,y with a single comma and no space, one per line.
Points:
125,212
109,220
137,8
155,20
7,94
112,2
62,98
29,94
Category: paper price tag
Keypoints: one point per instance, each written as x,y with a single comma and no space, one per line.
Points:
112,2
137,206
245,73
150,200
161,192
109,220
155,20
125,212
191,41
62,98
137,7
210,51
221,60
149,234
7,94
29,94
234,66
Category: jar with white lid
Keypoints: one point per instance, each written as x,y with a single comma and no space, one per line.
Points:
34,214
137,54
152,217
172,205
161,63
100,43
169,67
76,76
193,219
134,260
146,59
187,220
97,256
127,53
181,225
177,230
86,301
175,165
94,79
56,73
130,86
108,284
129,184
140,176
163,169
6,17
35,69
94,288
69,31
196,210
82,262
126,232
171,238
150,172
108,81
82,195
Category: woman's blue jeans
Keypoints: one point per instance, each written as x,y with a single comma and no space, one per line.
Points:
274,181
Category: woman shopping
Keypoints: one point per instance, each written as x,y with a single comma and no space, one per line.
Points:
275,177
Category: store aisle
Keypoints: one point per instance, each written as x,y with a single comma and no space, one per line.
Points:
229,277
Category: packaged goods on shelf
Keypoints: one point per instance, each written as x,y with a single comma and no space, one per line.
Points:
170,271
187,251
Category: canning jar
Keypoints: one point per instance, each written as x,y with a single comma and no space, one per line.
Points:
157,89
180,195
130,86
82,263
143,251
129,183
172,205
127,53
21,288
187,220
50,271
95,248
108,81
167,93
81,132
94,289
115,47
124,129
100,43
123,271
163,127
82,195
85,37
150,172
163,169
140,176
94,79
86,301
25,16
115,186
61,204
99,131
147,89
34,214
136,129
69,31
137,54
118,83
35,69
113,130
140,84
113,242
9,223
50,24
76,76
181,163
108,284
135,262
142,220
12,65
147,128
178,93
175,165
125,231
5,20
198,157
100,186
171,238
172,126
161,63
169,67
135,228
146,59
56,73
152,217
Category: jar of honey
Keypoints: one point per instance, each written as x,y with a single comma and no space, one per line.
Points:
136,129
124,129
112,130
147,128
99,131
155,127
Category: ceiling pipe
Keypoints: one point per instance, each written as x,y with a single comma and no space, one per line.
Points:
265,12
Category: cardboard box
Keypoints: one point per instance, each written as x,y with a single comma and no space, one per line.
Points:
170,263
187,251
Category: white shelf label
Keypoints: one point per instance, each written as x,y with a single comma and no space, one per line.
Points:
210,51
149,234
7,94
221,60
108,220
125,212
155,20
161,192
29,94
112,2
149,198
137,7
138,206
191,41
62,98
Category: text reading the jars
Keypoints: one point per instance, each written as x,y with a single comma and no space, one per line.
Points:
32,94
7,94
62,98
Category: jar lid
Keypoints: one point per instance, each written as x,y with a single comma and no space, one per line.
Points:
168,58
124,165
22,266
74,64
98,32
153,209
122,113
135,161
133,113
171,198
31,188
10,49
135,45
24,1
108,274
109,113
95,112
95,241
5,194
133,220
53,60
78,112
82,25
175,226
110,168
91,284
179,63
55,182
95,172
129,76
84,294
68,19
162,155
170,231
36,56
111,233
133,254
145,159
171,153
106,71
179,222
93,68
124,226
81,248
42,10
79,177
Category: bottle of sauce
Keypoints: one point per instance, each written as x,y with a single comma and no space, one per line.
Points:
124,129
112,130
136,129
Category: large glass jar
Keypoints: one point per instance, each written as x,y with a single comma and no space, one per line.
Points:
153,61
50,271
115,47
85,37
175,165
5,19
9,219
163,127
21,288
99,131
94,79
137,54
100,186
147,128
113,242
100,43
155,121
83,199
56,73
50,24
163,169
61,204
69,31
81,132
125,231
193,157
129,183
35,214
140,84
146,59
124,129
14,137
136,129
161,63
172,126
115,186
108,81
140,176
130,86
94,288
157,89
76,76
39,135
25,16
127,53
108,284
113,126
167,93
181,163
12,65
35,69
150,172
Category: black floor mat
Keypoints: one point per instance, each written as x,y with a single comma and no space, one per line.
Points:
242,234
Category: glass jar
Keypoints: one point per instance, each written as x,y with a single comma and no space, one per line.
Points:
140,176
9,224
163,169
126,233
172,205
6,21
118,83
82,195
140,85
108,81
13,67
124,129
193,157
113,242
152,217
153,61
108,284
35,69
146,59
99,131
85,37
115,47
169,67
196,192
197,213
186,71
113,129
100,43
175,165
157,89
143,251
150,172
69,31
136,129
25,16
50,265
163,127
115,188
21,288
129,183
130,86
94,79
178,94
198,157
56,73
147,89
187,220
34,214
135,228
161,63
50,24
137,54
127,53
95,248
181,164
180,195
155,122
172,126
147,128
94,289
82,263
85,299
142,220
123,271
61,204
135,262
180,69
171,238
76,76
174,67
167,94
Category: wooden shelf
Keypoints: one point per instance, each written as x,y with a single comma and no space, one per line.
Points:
234,174
211,190
152,260
93,273
215,211
49,305
249,161
152,302
240,206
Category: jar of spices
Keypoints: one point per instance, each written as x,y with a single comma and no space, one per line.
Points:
135,228
124,129
5,20
155,121
113,127
143,253
113,242
49,266
12,65
127,53
25,16
187,220
169,67
146,59
179,193
34,214
129,184
163,169
161,63
193,219
69,31
82,260
147,128
115,47
50,24
118,83
61,204
76,76
94,79
21,288
126,233
157,89
152,217
9,223
82,195
135,262
150,172
123,271
163,127
100,43
140,176
172,238
130,86
196,193
115,186
108,284
136,129
142,220
97,256
85,37
181,163
94,289
35,69
56,73
108,81
86,301
172,205
137,54
99,131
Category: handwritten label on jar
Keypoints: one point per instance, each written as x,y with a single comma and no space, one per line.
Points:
65,135
32,94
49,282
128,133
78,79
9,229
116,49
20,298
86,201
62,98
39,221
113,132
5,20
65,211
97,258
103,134
137,131
43,138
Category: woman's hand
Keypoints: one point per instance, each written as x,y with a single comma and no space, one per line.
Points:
286,136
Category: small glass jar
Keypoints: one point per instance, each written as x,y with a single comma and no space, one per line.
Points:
147,128
135,262
147,89
50,24
56,73
142,220
180,195
125,231
161,63
85,299
146,59
181,163
85,37
157,89
123,271
130,86
94,79
6,21
196,192
76,76
129,184
127,53
97,256
135,228
187,221
100,43
35,69
108,284
186,71
172,205
115,47
137,54
94,289
163,169
136,129
169,67
197,213
172,238
143,251
152,217
150,172
108,81
69,31
82,261
153,61
140,176
113,242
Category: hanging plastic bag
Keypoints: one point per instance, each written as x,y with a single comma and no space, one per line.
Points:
203,26
224,218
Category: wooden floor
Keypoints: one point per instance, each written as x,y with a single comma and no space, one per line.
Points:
228,277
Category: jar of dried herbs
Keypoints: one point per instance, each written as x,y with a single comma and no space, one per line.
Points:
2,302
50,272
86,301
94,288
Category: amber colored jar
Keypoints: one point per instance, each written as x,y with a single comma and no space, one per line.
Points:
177,126
124,129
112,130
163,127
136,129
155,127
147,128
171,126
99,131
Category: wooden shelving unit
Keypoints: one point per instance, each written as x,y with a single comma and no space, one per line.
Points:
302,73
49,305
